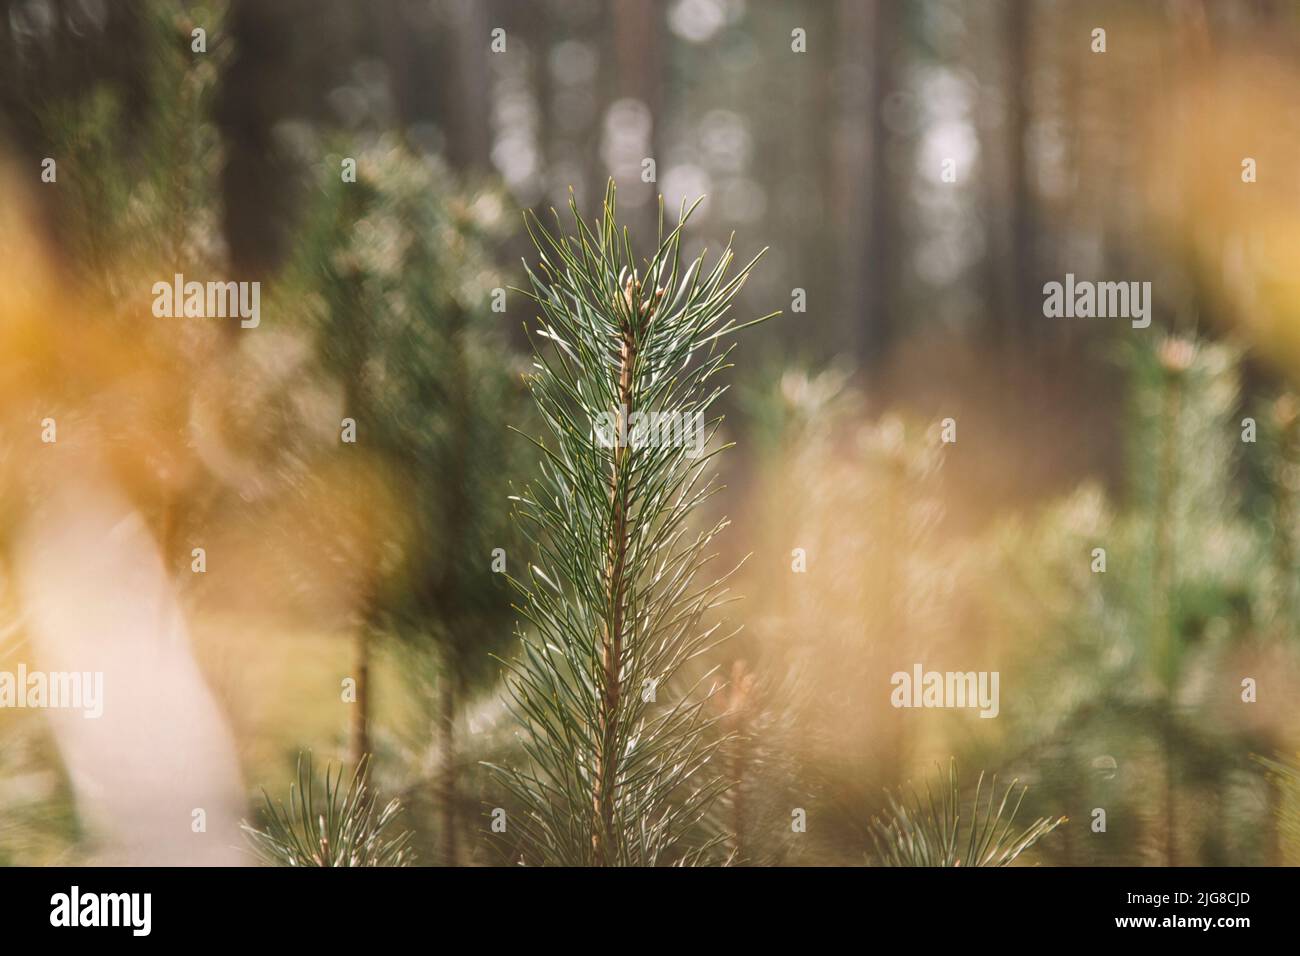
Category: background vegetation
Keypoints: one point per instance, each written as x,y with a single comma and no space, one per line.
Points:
373,562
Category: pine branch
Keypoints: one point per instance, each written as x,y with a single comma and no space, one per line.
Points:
609,688
326,825
930,833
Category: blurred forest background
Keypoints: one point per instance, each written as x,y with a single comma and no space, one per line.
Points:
908,299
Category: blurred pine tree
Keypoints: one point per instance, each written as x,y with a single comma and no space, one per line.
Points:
395,281
1119,666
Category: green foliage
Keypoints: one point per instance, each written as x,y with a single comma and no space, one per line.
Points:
1122,665
327,825
615,775
394,280
138,187
931,833
1180,558
1275,470
1195,556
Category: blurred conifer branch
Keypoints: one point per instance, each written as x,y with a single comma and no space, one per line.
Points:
327,825
931,833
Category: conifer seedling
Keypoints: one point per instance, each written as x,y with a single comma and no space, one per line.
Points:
611,687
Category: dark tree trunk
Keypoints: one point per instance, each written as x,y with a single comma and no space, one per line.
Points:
851,156
636,26
360,736
469,138
447,705
1165,627
1021,267
882,210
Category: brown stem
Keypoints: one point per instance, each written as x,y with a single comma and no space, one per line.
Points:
611,650
360,737
1284,545
1164,578
447,773
1171,795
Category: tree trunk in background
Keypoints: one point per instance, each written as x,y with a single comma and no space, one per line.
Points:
447,772
1171,793
258,186
1166,636
1021,272
355,345
1012,266
851,154
468,109
456,521
359,737
885,234
636,27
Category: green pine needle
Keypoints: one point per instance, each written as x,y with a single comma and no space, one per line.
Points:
931,833
618,600
327,825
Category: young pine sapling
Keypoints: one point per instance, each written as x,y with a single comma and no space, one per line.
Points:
609,686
